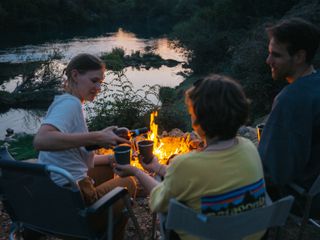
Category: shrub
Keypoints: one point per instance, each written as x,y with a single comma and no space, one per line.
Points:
121,105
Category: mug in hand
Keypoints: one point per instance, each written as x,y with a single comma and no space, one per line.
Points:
122,154
146,150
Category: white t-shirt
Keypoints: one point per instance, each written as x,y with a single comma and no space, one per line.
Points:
66,114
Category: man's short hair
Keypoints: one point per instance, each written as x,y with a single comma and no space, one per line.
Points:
298,34
220,106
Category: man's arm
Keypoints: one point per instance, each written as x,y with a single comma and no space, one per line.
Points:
285,144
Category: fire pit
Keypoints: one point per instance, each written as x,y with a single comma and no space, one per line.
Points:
166,145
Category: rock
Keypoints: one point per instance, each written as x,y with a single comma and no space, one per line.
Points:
249,132
176,133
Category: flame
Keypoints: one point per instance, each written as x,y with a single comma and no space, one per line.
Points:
153,134
163,147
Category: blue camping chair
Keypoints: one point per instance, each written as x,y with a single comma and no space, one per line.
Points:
305,199
182,218
34,201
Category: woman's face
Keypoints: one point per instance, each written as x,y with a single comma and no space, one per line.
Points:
88,84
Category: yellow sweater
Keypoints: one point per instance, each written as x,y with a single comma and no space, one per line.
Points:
195,177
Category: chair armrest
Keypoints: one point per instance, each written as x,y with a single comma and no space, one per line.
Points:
108,199
4,154
315,188
297,188
63,173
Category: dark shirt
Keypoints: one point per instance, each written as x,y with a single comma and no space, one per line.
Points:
290,142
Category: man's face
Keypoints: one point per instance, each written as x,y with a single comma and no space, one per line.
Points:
280,61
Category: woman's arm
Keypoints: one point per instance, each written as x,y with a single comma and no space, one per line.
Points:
103,159
50,138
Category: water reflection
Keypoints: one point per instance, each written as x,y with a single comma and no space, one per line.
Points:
21,120
128,41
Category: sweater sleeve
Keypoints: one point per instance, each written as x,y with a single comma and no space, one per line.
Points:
170,187
286,139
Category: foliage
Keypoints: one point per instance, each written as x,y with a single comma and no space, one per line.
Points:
173,116
21,147
222,36
121,105
167,95
172,113
116,60
47,76
37,85
224,24
40,15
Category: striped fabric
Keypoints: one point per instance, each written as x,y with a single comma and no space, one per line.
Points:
235,201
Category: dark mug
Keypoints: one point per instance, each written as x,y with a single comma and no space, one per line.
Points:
146,150
122,154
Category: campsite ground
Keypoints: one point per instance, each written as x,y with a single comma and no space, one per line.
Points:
141,209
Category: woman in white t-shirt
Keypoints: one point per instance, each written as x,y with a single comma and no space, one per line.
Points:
63,134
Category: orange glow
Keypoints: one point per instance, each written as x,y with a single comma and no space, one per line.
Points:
153,134
163,148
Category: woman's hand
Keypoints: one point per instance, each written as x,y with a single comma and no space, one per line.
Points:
108,137
125,170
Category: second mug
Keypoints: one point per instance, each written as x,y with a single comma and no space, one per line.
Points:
145,148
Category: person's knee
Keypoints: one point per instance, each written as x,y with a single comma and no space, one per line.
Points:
131,185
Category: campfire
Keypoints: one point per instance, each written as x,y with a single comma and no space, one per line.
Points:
166,145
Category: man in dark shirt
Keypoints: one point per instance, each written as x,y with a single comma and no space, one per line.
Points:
290,142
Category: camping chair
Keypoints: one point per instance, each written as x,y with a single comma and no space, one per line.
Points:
4,154
34,201
306,201
182,218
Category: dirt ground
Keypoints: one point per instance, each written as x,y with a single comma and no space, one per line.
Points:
144,217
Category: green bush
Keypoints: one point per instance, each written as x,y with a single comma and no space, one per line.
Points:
173,113
114,60
121,105
21,147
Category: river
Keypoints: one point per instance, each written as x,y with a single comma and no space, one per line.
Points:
29,120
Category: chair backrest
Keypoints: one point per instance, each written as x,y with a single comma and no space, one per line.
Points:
34,200
183,218
315,188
